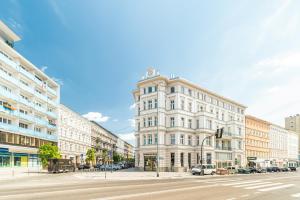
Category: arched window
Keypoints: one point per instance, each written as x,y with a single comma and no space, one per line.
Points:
172,89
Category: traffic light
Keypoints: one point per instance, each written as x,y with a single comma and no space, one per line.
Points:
219,133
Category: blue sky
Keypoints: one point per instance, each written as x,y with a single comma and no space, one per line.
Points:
245,50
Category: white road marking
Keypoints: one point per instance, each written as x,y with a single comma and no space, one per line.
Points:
276,188
240,183
251,184
245,195
295,195
223,181
262,186
155,192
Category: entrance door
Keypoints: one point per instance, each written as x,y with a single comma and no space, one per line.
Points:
149,163
172,162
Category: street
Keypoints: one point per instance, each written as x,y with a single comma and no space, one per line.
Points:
72,186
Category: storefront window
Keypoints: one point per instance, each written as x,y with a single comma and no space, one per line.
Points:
17,161
4,160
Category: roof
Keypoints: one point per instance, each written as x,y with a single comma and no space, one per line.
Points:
184,81
8,33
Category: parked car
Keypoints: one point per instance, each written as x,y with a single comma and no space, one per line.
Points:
252,170
293,169
208,169
84,166
232,170
285,169
243,171
276,169
261,170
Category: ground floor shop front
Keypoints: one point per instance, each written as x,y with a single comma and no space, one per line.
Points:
15,157
183,160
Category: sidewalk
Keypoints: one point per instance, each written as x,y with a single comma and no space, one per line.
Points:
14,173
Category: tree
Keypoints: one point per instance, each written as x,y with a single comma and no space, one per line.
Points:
48,151
104,156
90,155
117,157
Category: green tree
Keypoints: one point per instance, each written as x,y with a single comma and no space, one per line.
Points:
90,155
117,157
48,151
104,155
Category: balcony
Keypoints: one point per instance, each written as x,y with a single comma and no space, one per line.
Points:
51,114
27,74
27,132
24,116
9,62
51,91
225,148
51,126
26,102
8,94
26,88
8,78
41,122
41,109
41,96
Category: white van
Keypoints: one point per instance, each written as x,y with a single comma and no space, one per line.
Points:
208,169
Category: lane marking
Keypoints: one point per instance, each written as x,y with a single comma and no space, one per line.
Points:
240,183
251,184
262,186
295,195
276,188
153,193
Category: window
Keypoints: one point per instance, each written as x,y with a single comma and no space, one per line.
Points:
240,131
155,103
172,105
155,121
182,139
5,121
182,104
198,140
37,129
198,124
149,89
150,104
209,124
172,121
149,139
155,138
239,145
208,141
190,140
22,125
182,122
190,92
173,141
145,140
149,121
145,105
181,159
182,89
222,116
190,123
172,89
190,106
144,122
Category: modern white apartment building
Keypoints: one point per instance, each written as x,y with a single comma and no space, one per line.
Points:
74,135
293,123
292,147
28,106
178,115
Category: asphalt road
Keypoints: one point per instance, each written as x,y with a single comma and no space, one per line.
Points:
281,186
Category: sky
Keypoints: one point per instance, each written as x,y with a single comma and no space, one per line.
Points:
97,50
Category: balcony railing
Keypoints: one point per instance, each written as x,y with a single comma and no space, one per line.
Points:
224,148
8,94
8,78
9,62
27,132
51,90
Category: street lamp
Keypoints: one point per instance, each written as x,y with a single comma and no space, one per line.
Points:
218,135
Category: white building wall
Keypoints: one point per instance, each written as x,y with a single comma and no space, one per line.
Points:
292,145
278,145
74,135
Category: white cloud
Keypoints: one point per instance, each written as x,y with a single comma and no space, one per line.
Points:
96,116
128,137
277,94
115,120
58,80
131,107
43,68
132,122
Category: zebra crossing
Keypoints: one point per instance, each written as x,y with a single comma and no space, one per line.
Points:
258,185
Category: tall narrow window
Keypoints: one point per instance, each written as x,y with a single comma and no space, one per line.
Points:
145,139
172,121
182,122
181,159
182,104
182,139
172,105
155,138
149,138
190,140
155,103
150,104
190,123
172,89
173,139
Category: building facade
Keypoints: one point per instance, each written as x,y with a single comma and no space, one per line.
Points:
103,141
178,115
128,151
74,135
293,123
257,142
28,106
292,148
278,146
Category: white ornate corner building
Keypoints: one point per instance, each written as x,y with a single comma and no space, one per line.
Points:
177,115
28,106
